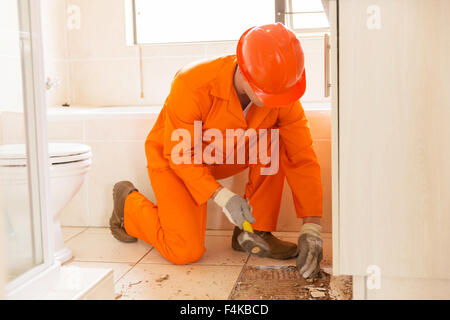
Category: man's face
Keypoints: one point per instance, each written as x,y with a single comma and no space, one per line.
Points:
249,92
252,96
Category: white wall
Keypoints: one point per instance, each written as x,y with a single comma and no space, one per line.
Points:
10,64
96,67
10,94
55,46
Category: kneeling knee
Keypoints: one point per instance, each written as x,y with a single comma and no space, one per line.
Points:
190,255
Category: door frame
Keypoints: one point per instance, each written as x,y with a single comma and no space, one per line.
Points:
333,8
36,281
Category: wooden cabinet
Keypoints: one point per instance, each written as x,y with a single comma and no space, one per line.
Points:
391,138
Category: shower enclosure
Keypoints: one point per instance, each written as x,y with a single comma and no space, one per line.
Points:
28,256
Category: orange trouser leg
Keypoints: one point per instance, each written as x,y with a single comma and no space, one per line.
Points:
176,226
264,193
264,190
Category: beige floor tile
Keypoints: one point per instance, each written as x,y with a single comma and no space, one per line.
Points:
70,232
98,230
98,245
119,268
218,252
156,281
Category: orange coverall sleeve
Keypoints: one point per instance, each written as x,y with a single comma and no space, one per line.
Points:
183,108
300,161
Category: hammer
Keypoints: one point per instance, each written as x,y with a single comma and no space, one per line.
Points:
251,242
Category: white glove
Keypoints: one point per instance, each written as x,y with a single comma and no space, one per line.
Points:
235,208
309,250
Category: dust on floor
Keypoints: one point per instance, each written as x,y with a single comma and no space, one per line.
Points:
286,283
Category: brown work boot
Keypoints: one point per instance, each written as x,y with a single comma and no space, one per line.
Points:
278,249
120,192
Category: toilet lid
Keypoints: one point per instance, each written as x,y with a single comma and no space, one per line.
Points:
15,154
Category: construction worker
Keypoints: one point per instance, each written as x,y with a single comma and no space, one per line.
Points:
258,88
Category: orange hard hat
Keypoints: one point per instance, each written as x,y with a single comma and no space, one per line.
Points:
271,59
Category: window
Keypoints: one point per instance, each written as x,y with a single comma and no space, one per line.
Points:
175,21
198,20
306,16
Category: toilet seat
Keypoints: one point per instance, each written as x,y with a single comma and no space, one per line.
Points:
14,155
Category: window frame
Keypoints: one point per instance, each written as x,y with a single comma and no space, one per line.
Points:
281,15
289,19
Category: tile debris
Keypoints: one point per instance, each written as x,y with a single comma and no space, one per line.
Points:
133,284
285,283
317,294
164,278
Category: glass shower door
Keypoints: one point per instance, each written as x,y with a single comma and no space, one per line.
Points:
23,147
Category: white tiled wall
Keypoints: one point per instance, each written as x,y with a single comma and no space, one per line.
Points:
54,35
118,154
117,143
10,62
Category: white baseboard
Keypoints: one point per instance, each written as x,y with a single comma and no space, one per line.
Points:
77,283
402,288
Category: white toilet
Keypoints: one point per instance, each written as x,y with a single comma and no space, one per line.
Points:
70,163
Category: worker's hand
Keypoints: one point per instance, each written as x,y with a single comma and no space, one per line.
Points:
309,250
234,207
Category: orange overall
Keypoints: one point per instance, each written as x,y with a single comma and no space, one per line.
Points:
176,224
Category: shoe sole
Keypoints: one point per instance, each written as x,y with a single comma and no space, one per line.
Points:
115,193
117,236
237,247
271,256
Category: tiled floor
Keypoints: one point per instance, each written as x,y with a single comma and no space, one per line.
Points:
140,272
